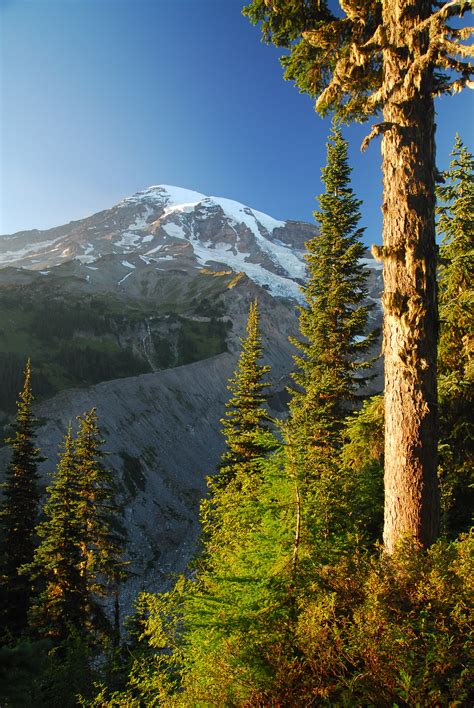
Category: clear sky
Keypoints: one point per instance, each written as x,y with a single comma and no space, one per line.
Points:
102,98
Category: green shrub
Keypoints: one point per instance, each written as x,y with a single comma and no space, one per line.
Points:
384,631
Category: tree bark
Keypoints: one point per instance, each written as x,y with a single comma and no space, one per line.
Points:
409,300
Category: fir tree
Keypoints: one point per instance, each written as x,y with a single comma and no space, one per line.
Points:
216,601
246,415
77,561
247,439
59,609
456,344
333,323
19,514
101,546
456,224
394,57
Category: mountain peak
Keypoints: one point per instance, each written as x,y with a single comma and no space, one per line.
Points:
166,227
166,193
182,199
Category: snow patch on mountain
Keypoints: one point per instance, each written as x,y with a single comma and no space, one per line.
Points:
86,258
167,195
141,222
155,250
174,230
278,285
241,214
283,257
268,221
12,256
128,240
175,196
124,278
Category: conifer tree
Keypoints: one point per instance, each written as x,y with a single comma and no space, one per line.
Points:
246,416
228,518
456,224
19,513
60,607
78,557
456,343
333,323
247,438
392,56
101,546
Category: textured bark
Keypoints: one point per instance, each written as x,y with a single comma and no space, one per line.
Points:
410,309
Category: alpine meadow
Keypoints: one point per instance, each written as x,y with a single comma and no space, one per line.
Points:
236,450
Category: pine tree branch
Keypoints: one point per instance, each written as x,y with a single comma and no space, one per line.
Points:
449,9
377,42
462,50
377,129
455,86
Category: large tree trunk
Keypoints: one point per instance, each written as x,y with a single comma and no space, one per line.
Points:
410,309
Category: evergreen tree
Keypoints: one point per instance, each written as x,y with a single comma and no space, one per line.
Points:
333,323
247,439
392,56
60,608
246,415
214,609
19,513
77,561
456,343
101,545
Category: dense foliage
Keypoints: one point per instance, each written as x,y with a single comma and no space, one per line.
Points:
246,415
62,569
245,429
456,343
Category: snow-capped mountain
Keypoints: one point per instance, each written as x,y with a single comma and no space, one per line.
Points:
165,228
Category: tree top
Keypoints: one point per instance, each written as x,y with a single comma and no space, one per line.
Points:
338,59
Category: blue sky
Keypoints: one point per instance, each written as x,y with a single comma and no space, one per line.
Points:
102,98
